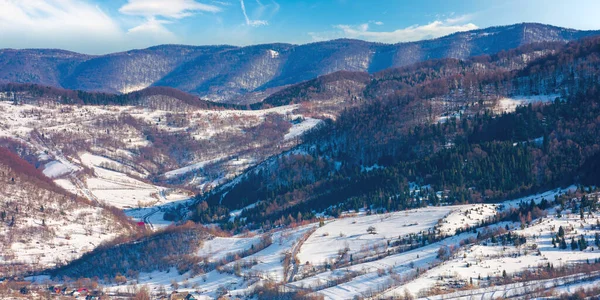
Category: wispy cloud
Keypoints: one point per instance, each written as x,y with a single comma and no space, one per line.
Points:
175,9
249,22
412,33
222,3
276,7
157,13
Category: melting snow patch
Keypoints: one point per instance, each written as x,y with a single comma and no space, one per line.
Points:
273,53
189,168
510,104
371,168
133,88
55,169
300,128
236,213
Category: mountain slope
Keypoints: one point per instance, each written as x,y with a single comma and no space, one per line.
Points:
141,149
42,225
226,73
458,131
132,70
41,66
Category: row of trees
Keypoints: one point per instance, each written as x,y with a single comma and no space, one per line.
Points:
142,97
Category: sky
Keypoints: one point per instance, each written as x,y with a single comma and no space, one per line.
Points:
104,26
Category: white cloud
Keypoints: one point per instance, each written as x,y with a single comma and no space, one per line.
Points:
412,33
55,23
153,31
175,9
78,26
253,23
458,19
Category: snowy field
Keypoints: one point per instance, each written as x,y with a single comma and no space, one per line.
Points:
121,190
469,215
316,258
266,264
298,129
351,232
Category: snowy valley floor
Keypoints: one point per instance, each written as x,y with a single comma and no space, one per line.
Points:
395,254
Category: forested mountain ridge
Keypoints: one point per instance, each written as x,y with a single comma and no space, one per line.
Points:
419,179
249,74
371,154
159,97
337,91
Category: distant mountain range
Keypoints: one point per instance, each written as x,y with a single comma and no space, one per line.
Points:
250,74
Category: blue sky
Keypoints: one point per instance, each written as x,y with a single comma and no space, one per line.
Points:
102,26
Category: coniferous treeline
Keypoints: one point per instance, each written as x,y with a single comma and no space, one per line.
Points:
160,251
477,157
99,98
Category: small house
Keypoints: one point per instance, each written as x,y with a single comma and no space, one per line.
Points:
179,295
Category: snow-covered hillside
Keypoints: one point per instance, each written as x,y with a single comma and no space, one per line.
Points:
462,250
350,234
43,226
128,156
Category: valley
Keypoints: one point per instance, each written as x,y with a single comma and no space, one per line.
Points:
87,151
460,167
414,253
